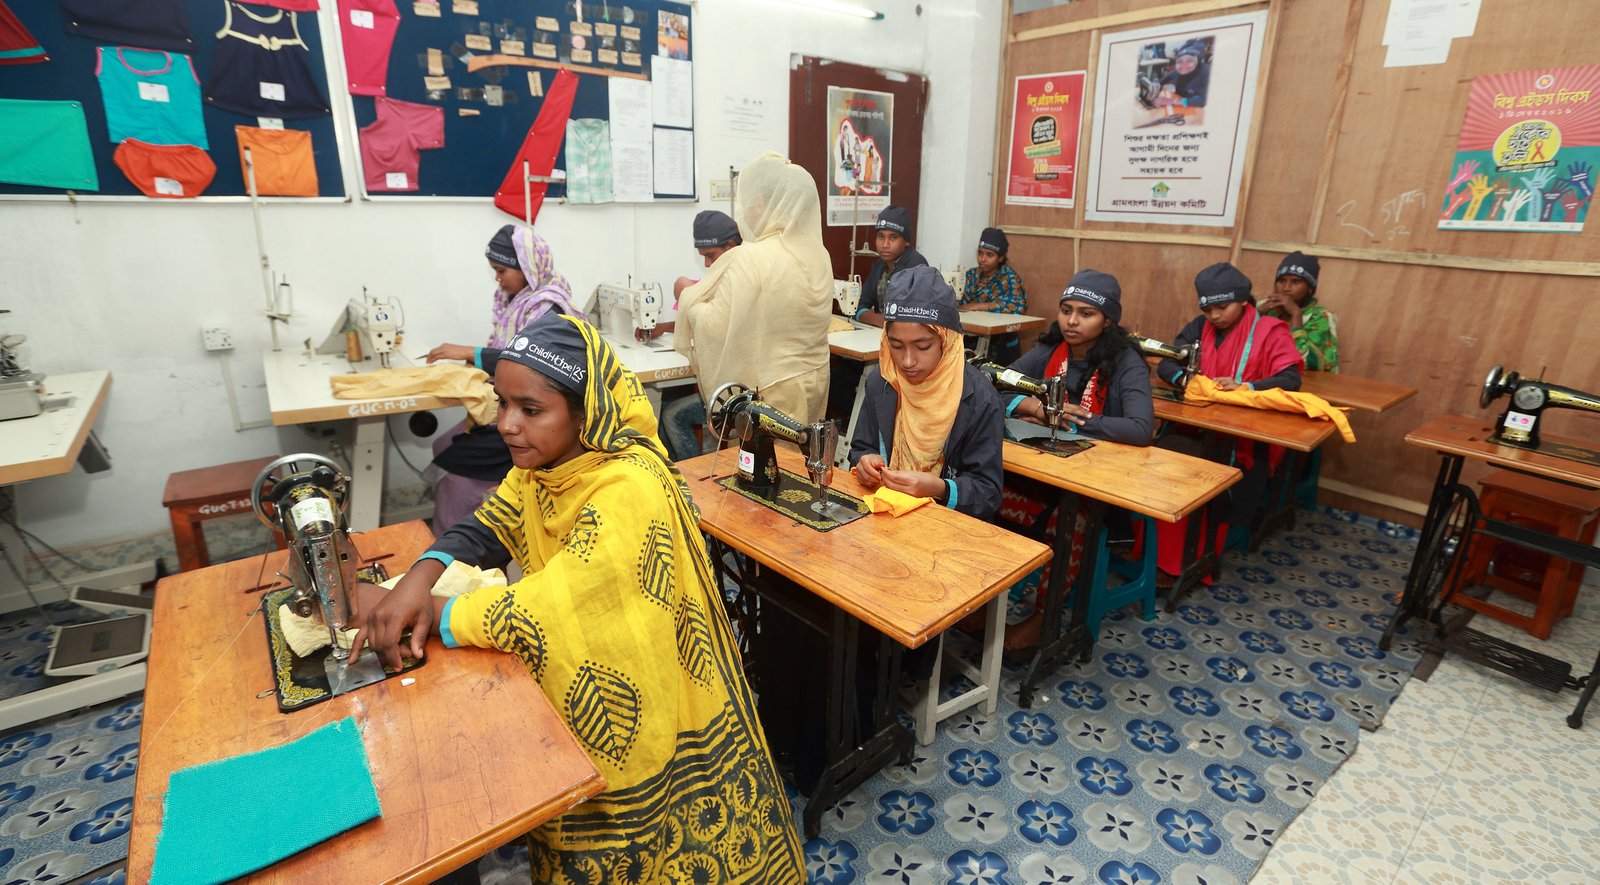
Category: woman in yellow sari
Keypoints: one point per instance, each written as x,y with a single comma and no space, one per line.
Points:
619,619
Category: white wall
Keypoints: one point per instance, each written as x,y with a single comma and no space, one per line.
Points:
128,285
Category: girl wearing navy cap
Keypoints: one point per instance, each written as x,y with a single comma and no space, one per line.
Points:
994,285
1294,300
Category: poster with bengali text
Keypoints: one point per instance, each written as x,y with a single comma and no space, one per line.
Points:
860,138
1046,116
1173,105
1526,155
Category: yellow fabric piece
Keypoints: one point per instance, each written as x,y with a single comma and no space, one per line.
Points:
1204,390
306,635
927,410
621,621
448,380
839,324
887,500
760,315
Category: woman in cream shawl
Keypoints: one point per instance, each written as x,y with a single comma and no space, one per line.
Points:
760,316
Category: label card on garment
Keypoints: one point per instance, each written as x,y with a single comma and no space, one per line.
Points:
153,92
272,91
269,122
169,187
362,18
396,180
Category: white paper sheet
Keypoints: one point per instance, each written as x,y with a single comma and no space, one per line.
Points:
674,162
630,110
632,172
672,88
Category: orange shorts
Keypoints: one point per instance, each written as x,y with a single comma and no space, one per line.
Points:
169,171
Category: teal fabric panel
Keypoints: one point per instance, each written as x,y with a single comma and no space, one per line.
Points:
227,818
46,144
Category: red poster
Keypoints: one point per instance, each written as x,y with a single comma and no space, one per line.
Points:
1045,115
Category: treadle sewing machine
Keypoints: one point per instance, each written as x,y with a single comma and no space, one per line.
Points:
626,308
848,294
1519,424
19,388
1051,393
305,497
1189,355
1455,521
737,412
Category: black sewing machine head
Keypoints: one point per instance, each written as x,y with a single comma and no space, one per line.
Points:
1519,425
1189,355
738,412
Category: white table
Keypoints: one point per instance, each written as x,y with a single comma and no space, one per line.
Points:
656,364
298,392
987,324
43,446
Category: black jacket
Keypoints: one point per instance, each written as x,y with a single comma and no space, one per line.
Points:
1169,370
869,286
971,453
1128,417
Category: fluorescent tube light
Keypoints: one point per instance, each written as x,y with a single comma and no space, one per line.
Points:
837,6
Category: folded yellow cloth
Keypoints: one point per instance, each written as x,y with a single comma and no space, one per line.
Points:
459,578
448,380
1203,389
887,500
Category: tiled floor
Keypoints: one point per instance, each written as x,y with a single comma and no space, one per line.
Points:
1473,778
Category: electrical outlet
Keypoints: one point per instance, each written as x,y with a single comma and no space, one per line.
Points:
720,190
217,337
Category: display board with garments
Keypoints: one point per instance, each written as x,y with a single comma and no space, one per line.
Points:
261,68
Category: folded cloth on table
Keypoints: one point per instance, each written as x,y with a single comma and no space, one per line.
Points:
230,817
1203,389
447,380
887,500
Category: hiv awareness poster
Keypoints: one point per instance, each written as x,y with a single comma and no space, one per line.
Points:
860,135
1172,114
1526,156
1046,115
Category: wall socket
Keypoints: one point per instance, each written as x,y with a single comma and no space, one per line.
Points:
217,337
720,190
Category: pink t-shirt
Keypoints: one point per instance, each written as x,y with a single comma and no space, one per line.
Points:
367,28
390,147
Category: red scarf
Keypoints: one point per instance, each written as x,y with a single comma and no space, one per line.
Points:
1266,347
1091,399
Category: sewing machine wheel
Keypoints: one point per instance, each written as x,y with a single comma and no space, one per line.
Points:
279,470
1492,387
1444,550
720,412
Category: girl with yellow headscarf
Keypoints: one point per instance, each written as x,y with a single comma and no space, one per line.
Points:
620,620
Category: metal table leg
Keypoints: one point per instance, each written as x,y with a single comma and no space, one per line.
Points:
366,473
1055,644
1410,603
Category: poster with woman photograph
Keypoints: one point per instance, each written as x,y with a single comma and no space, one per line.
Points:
860,141
1172,115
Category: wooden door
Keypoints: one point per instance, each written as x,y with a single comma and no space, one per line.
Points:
817,89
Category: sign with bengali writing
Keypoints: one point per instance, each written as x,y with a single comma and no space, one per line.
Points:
1046,115
860,146
1526,155
1172,115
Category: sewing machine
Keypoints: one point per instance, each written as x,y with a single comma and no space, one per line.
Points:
848,294
736,412
1051,392
1189,355
377,323
305,497
956,279
626,308
19,388
1519,425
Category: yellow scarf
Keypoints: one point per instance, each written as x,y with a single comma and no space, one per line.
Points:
621,621
927,410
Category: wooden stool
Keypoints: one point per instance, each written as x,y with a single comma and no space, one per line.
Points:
1550,582
194,496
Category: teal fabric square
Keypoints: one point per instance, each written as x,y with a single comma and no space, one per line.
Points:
227,818
46,144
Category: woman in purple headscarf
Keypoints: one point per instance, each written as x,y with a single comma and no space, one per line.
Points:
470,461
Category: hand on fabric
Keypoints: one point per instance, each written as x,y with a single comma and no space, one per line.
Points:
382,618
1578,178
651,334
915,483
1514,204
869,471
1479,188
1463,172
1072,417
451,352
1226,383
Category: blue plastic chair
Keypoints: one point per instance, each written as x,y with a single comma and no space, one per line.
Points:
1139,579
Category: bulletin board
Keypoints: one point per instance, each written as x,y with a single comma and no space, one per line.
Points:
488,111
69,75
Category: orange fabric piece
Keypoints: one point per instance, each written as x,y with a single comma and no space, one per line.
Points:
285,166
1204,390
165,171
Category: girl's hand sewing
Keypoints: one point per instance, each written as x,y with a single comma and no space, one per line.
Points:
382,618
450,352
870,471
915,483
1227,383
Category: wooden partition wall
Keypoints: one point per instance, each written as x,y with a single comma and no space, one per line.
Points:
1348,160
